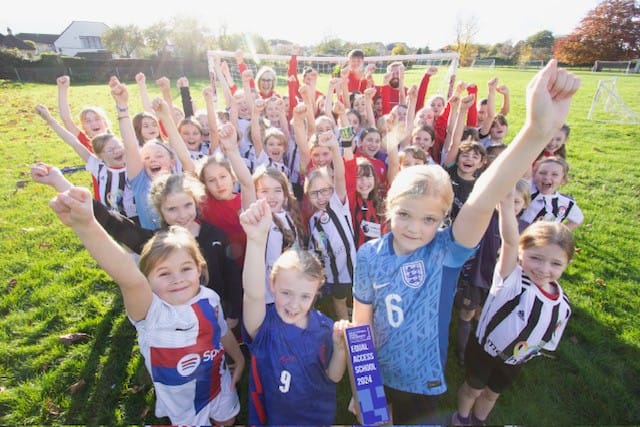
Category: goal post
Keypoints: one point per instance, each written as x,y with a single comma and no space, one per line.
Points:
536,64
608,107
442,83
619,66
489,63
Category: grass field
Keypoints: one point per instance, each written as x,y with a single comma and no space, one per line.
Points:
49,286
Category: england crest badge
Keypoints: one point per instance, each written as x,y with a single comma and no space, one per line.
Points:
413,274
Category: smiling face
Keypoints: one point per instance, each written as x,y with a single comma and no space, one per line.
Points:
558,140
294,295
437,105
156,159
415,221
275,148
266,83
178,209
175,278
321,156
543,264
271,190
149,129
548,177
426,116
319,192
498,131
370,143
191,135
219,181
468,163
422,139
92,123
112,153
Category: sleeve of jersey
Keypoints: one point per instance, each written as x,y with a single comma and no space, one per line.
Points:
92,165
509,285
422,91
457,254
575,214
363,284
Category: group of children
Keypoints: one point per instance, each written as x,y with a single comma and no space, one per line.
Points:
247,219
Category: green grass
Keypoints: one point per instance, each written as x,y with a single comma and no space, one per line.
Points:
50,286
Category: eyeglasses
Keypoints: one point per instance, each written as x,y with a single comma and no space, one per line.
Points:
110,151
267,80
326,192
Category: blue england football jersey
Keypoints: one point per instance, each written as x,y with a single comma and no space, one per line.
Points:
412,298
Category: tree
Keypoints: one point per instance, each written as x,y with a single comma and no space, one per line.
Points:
399,49
189,38
611,31
156,37
542,39
465,33
122,40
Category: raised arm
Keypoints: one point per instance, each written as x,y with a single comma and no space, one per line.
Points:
256,222
454,138
548,100
74,208
162,111
63,133
212,119
328,139
256,129
229,143
509,234
506,100
165,89
299,128
63,83
120,94
491,106
141,80
185,97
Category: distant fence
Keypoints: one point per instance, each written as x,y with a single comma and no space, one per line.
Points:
100,71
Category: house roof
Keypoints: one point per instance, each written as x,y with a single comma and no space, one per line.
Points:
12,42
90,22
38,38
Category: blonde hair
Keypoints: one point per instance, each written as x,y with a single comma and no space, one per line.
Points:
301,260
322,172
217,159
168,184
100,112
421,180
553,159
273,132
544,233
524,189
167,241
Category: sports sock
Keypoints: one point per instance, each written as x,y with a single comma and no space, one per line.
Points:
464,329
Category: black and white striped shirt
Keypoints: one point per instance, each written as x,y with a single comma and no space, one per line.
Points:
518,319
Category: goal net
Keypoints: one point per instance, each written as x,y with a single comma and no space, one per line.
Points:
442,83
535,64
608,107
477,63
615,66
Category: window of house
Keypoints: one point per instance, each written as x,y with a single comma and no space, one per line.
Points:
91,42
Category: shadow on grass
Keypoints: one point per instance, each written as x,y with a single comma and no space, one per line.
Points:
114,339
592,379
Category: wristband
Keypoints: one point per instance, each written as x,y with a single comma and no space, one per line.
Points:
121,109
122,117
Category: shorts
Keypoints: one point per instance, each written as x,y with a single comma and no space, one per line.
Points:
470,297
411,408
338,290
484,370
224,406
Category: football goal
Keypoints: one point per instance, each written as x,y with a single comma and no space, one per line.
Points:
532,64
617,66
442,83
488,63
608,107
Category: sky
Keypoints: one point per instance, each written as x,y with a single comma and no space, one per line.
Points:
425,25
